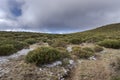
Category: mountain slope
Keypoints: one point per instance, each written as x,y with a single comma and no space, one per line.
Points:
111,31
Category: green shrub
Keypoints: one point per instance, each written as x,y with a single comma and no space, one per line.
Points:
43,55
30,41
75,40
50,42
7,49
17,44
98,49
59,43
108,43
76,50
20,45
64,52
93,39
83,52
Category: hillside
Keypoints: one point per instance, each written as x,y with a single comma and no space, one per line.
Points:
108,28
88,55
111,31
26,38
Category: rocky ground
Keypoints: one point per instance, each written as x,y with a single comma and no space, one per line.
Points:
95,68
14,67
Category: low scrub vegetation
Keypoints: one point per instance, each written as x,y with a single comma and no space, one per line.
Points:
83,52
107,36
75,40
44,55
98,49
109,43
20,45
30,41
7,49
59,43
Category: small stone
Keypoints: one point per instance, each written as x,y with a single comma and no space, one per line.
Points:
69,48
92,58
40,69
71,62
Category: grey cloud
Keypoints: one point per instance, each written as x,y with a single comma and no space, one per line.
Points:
65,15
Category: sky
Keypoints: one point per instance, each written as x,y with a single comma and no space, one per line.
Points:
57,16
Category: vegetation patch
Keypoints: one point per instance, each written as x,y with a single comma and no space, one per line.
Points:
59,43
83,52
44,55
7,49
98,48
75,40
109,43
30,41
20,45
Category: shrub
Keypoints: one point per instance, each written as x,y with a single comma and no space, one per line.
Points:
83,52
64,52
43,55
98,49
59,43
50,42
20,45
76,50
75,41
17,44
30,41
93,39
108,43
7,49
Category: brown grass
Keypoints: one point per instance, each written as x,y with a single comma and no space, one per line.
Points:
96,69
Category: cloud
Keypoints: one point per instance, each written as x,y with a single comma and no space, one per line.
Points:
58,16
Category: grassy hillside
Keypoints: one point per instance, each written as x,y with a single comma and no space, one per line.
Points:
105,32
14,41
95,53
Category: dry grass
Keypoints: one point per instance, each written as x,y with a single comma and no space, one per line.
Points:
92,70
96,69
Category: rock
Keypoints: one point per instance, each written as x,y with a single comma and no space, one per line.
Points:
40,69
57,63
92,58
69,48
71,62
